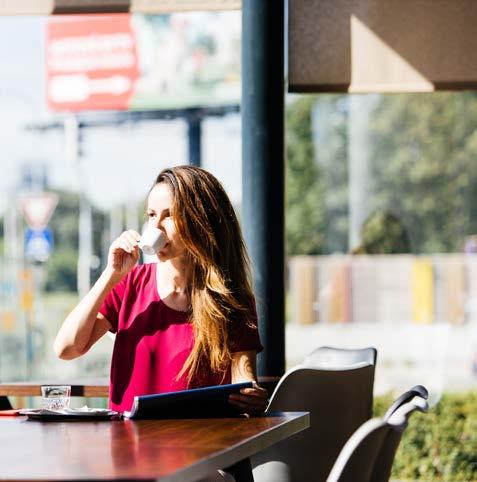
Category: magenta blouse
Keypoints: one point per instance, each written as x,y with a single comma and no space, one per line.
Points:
153,341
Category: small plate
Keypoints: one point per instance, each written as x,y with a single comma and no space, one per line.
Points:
72,414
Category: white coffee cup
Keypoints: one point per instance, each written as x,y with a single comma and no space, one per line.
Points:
152,240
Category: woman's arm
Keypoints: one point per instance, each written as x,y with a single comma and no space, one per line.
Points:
244,368
84,326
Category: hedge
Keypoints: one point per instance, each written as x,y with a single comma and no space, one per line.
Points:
440,445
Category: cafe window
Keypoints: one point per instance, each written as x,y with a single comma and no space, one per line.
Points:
93,108
381,232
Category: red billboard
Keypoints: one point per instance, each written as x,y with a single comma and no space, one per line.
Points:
91,62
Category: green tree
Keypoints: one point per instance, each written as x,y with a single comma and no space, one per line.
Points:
61,270
62,265
330,124
304,206
422,170
423,166
383,233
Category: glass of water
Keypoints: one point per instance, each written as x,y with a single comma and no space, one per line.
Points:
56,397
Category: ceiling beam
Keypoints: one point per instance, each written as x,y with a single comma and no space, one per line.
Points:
382,45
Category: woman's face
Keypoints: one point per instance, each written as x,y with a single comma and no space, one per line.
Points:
159,213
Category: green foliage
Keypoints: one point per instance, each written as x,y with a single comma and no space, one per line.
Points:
317,175
423,166
62,265
440,445
383,233
330,134
61,270
64,222
422,169
304,206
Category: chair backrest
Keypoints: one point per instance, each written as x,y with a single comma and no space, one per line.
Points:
331,357
369,453
339,401
417,390
398,422
5,403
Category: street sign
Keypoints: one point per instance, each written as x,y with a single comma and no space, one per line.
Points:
38,244
38,208
91,62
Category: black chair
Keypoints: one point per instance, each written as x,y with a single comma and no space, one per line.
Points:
5,403
328,356
416,391
339,400
369,453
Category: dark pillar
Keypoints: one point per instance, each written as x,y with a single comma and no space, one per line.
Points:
194,131
263,170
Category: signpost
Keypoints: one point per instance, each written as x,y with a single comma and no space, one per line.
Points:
38,244
38,208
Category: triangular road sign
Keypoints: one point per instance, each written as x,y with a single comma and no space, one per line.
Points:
38,208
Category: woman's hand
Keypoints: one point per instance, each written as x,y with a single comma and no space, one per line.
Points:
124,253
251,401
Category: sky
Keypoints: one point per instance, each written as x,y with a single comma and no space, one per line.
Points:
119,164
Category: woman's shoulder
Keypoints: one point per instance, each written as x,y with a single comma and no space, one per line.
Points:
141,273
143,269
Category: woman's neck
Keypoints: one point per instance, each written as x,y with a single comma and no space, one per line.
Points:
174,275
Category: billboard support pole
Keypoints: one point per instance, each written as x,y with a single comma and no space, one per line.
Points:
72,138
194,132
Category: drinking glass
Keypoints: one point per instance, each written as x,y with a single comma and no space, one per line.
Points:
56,397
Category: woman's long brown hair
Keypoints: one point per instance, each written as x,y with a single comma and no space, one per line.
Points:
220,286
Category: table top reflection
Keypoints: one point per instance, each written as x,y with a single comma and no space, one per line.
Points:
166,450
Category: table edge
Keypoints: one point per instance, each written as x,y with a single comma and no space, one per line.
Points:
244,449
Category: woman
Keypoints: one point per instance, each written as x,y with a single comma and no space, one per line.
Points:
185,322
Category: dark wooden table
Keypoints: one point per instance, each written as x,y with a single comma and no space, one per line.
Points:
166,450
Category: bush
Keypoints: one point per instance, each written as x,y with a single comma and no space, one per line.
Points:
439,445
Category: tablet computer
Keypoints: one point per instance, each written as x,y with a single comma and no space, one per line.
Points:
208,402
